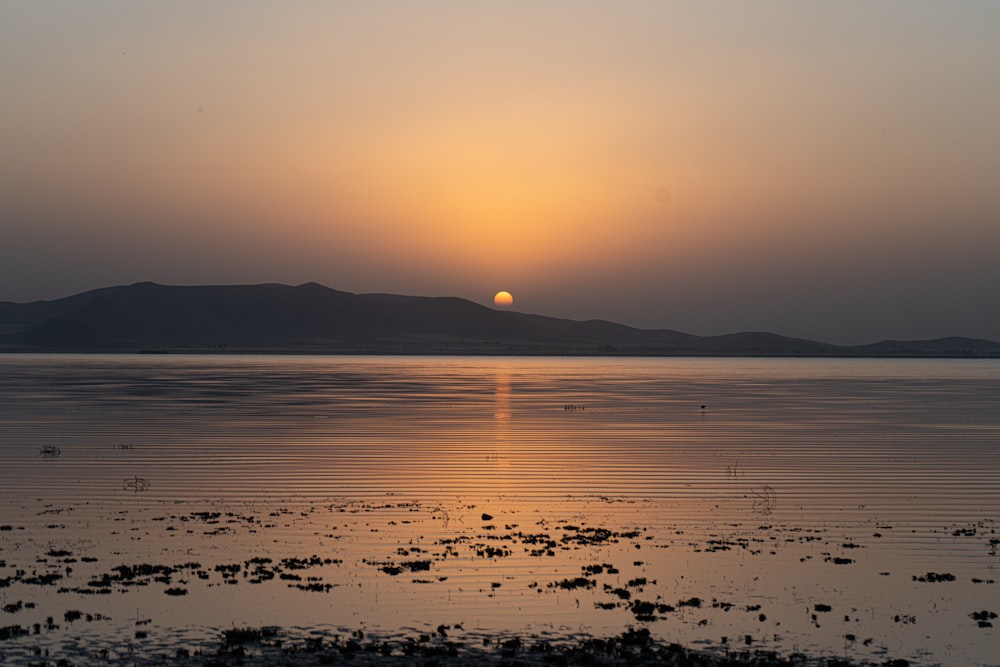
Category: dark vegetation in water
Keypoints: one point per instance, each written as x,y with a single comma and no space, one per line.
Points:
407,566
934,577
271,645
984,618
632,647
135,484
640,599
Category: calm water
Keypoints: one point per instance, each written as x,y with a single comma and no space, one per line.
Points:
835,507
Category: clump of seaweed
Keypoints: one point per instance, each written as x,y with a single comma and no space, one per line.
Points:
240,636
572,584
411,565
934,577
11,631
983,618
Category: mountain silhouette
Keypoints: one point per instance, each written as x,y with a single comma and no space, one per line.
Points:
311,318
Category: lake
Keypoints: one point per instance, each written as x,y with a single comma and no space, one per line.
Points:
158,506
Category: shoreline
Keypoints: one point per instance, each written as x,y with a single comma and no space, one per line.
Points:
529,352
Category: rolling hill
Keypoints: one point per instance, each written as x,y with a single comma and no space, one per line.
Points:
311,318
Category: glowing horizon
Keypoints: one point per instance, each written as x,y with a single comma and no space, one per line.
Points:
825,171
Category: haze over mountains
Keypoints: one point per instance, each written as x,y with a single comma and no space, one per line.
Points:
311,318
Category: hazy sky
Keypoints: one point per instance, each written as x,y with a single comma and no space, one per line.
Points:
825,170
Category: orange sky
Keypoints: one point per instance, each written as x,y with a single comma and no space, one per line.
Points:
824,170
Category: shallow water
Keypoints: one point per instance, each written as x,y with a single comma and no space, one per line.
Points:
768,489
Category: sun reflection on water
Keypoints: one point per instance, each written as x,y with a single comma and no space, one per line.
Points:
503,495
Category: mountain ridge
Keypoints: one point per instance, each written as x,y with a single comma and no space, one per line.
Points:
313,318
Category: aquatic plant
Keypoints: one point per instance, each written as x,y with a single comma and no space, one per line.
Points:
934,577
765,500
135,484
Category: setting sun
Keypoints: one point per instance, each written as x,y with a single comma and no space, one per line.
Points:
503,300
267,238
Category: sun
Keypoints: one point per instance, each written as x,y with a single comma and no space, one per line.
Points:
503,300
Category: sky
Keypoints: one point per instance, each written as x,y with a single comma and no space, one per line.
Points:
826,170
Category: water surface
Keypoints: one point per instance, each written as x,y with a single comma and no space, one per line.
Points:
330,494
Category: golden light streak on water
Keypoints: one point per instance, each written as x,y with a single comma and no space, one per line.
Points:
780,483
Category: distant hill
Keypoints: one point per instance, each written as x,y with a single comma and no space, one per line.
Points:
311,318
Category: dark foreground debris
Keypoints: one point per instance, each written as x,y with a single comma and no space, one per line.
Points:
256,647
